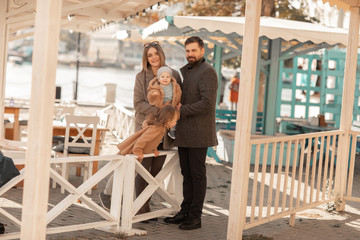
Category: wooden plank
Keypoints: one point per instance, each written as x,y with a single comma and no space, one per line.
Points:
282,214
117,194
267,139
11,217
331,174
76,193
36,186
271,184
347,101
128,196
320,168
293,175
287,166
3,61
301,167
242,149
313,169
308,159
279,173
29,7
255,182
326,167
263,175
352,166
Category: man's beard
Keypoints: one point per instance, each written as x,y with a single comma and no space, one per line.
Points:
192,61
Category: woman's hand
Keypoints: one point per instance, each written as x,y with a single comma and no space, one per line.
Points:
156,153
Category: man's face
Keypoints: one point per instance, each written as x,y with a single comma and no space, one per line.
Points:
194,52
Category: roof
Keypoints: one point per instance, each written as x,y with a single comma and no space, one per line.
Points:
77,15
269,27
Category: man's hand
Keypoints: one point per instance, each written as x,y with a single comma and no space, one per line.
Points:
178,106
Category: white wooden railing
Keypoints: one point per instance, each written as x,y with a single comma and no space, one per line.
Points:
121,122
167,183
279,191
354,138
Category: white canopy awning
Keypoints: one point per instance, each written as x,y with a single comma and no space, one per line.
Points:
269,27
79,15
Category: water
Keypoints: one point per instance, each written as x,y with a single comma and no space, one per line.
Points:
91,86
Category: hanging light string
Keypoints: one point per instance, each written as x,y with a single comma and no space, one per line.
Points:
138,14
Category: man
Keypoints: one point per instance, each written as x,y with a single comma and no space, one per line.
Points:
195,132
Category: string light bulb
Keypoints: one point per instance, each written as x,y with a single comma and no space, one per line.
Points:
125,21
158,6
143,13
137,15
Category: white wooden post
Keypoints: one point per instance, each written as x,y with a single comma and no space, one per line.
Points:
347,104
36,186
116,196
128,196
240,177
4,31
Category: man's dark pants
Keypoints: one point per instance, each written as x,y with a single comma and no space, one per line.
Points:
193,169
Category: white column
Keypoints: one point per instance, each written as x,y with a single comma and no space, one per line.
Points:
36,186
240,177
347,103
3,60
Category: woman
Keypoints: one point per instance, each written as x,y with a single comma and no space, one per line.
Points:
153,58
234,91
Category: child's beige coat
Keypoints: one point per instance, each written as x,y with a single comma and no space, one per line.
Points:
158,99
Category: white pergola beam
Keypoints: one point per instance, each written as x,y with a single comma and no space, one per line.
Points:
241,164
36,184
71,8
29,7
17,37
4,32
347,102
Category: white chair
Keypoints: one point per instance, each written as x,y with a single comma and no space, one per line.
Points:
80,124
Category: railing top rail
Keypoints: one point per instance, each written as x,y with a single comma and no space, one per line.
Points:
271,139
124,110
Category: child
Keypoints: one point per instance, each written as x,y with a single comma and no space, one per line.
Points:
149,137
142,142
164,90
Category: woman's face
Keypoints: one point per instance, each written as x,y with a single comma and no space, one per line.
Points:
153,57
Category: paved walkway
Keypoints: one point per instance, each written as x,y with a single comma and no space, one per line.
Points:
311,224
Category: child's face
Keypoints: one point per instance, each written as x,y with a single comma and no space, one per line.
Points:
171,123
164,78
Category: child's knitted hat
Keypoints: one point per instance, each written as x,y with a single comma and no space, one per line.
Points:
164,69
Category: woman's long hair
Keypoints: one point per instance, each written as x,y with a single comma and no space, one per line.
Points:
166,114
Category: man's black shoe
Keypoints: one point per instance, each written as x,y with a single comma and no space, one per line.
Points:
190,224
177,219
